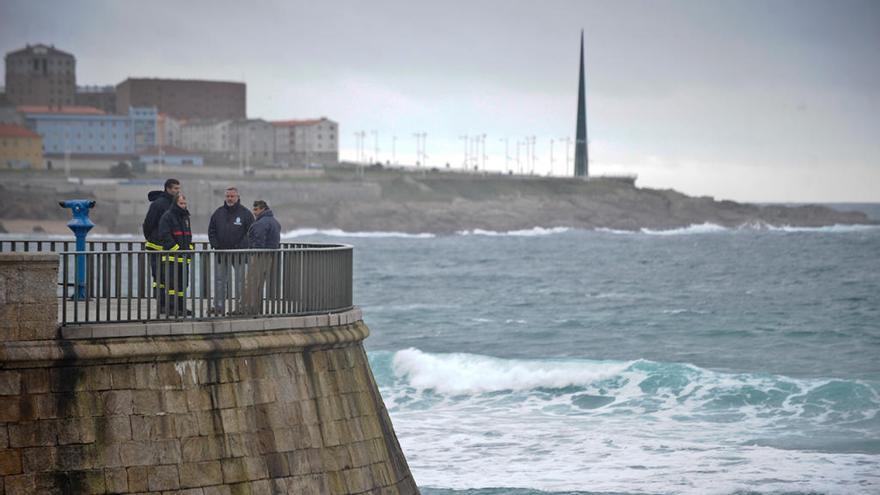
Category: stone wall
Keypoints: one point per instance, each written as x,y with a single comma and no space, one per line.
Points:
255,411
28,304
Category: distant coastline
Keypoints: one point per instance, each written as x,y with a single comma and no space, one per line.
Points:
412,203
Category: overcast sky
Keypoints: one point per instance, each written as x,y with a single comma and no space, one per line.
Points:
744,100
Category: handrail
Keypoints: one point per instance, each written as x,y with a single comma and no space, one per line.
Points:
132,285
57,245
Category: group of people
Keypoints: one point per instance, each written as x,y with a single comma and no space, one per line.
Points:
232,227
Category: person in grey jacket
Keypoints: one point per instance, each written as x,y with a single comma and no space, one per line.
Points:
265,233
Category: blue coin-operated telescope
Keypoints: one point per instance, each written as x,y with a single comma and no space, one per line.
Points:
80,224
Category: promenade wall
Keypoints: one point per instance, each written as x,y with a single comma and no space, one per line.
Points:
257,406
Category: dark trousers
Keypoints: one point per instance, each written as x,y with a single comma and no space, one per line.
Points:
176,276
157,268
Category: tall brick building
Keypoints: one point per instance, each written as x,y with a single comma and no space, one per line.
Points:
40,75
101,97
184,98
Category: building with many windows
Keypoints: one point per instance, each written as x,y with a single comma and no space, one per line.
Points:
169,130
101,97
20,147
209,136
252,142
91,132
305,142
185,98
40,75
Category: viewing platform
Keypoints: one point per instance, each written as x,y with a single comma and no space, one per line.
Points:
107,386
117,283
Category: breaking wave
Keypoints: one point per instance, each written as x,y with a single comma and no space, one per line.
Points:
305,232
536,231
627,426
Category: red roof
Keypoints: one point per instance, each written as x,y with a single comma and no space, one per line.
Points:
294,123
69,110
7,130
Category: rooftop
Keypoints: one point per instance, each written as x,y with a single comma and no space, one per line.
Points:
294,123
8,130
170,80
69,110
38,49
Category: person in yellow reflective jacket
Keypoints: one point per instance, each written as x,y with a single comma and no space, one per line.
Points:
176,235
160,201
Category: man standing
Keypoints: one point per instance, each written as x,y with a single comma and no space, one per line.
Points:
265,233
160,202
228,229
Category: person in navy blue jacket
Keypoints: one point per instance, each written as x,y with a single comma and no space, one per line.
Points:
228,229
265,233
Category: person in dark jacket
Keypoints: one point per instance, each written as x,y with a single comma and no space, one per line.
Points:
228,229
160,201
175,235
265,233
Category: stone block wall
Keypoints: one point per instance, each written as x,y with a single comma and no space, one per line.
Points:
28,302
291,419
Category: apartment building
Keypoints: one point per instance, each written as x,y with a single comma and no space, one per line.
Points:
40,75
185,98
304,142
86,131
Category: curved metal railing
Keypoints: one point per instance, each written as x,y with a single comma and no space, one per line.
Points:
120,281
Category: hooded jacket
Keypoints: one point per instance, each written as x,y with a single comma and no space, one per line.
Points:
174,230
160,201
229,227
265,233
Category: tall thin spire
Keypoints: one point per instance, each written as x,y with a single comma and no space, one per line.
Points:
581,153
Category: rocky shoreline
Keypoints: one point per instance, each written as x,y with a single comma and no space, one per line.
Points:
438,203
444,206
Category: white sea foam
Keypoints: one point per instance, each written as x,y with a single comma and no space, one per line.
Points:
533,232
613,231
473,374
704,228
669,428
341,233
711,228
830,229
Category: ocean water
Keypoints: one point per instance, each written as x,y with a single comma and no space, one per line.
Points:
696,361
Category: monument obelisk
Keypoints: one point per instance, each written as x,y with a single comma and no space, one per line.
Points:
581,154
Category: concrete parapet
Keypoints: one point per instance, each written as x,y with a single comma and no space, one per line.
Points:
28,304
259,410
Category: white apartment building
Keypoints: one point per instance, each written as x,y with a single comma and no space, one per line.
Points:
252,142
209,136
304,142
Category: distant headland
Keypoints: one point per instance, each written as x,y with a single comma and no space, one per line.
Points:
378,198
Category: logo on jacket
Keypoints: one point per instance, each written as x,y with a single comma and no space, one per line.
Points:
237,221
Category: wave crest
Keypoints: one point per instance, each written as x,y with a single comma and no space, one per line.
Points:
474,374
703,228
533,232
304,232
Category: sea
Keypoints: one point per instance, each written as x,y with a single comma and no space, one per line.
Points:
701,360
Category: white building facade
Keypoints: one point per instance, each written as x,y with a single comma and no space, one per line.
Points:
305,142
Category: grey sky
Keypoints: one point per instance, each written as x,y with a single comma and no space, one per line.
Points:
775,100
